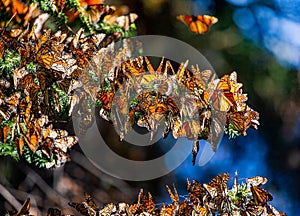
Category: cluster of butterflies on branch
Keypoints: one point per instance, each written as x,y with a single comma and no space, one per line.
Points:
42,71
39,72
192,103
92,15
214,198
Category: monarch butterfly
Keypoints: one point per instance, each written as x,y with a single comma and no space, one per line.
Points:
199,210
65,143
168,210
206,77
24,209
133,67
14,99
217,188
198,24
42,40
146,201
57,133
196,191
4,83
172,106
125,21
12,102
26,81
260,196
60,156
241,121
87,207
5,132
32,91
252,209
97,12
31,138
218,185
256,181
106,98
47,146
19,144
45,57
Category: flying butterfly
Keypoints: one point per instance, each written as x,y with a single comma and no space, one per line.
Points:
198,24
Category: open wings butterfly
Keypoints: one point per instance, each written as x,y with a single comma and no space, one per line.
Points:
198,24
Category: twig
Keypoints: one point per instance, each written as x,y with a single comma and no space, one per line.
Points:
52,194
86,164
9,197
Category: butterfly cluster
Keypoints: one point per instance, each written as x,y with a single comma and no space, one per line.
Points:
93,15
194,104
214,198
39,72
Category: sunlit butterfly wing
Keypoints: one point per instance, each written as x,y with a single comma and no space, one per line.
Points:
196,192
57,133
199,210
90,202
94,2
256,181
168,210
45,57
32,141
125,21
19,141
147,202
65,142
175,196
6,131
60,156
47,146
260,196
88,207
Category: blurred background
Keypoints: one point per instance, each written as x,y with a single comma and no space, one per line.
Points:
258,39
